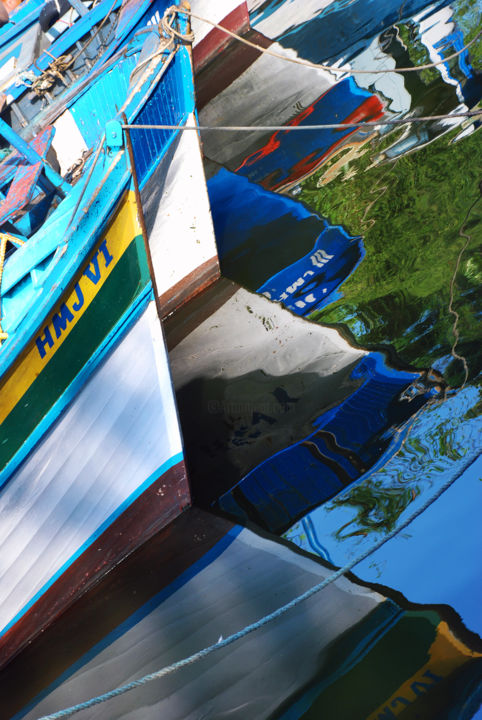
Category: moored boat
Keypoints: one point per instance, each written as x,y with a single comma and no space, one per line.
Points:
92,460
31,31
53,67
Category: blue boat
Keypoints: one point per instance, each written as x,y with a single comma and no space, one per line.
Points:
22,17
91,454
29,31
35,95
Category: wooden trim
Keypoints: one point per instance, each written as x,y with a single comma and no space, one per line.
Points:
179,325
163,501
190,286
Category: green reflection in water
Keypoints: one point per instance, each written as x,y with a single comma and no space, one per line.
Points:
417,205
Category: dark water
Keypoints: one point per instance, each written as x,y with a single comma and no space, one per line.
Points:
375,232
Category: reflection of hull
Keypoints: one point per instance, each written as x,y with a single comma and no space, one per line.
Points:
288,157
224,578
321,30
210,580
267,90
290,95
430,675
274,245
263,90
346,442
249,379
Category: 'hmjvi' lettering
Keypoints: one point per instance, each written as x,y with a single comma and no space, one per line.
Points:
60,320
65,315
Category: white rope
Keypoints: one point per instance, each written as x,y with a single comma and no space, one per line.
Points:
318,66
68,712
452,311
300,128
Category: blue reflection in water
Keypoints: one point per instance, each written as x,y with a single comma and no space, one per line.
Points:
432,560
374,458
277,246
345,442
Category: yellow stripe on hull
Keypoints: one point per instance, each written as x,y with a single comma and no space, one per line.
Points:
70,308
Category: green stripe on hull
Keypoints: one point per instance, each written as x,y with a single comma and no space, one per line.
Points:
124,284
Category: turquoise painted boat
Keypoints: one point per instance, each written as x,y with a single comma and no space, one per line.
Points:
45,69
27,30
91,452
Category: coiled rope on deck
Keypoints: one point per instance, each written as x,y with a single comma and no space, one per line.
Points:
41,84
319,66
174,667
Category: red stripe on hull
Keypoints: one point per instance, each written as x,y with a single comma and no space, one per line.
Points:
215,41
163,501
189,287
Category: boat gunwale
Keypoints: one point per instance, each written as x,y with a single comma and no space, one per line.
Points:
146,86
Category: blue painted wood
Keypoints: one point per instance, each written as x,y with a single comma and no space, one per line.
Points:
168,105
25,15
79,237
29,152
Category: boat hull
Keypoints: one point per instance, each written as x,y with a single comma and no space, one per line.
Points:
92,452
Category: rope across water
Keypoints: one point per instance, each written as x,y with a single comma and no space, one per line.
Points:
304,128
269,618
169,669
318,66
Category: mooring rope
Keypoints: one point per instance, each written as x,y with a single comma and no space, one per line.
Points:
455,329
300,128
318,66
169,669
40,84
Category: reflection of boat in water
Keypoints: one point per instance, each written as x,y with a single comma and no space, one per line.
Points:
274,245
452,88
322,30
223,579
285,158
91,454
268,90
346,441
249,379
271,91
